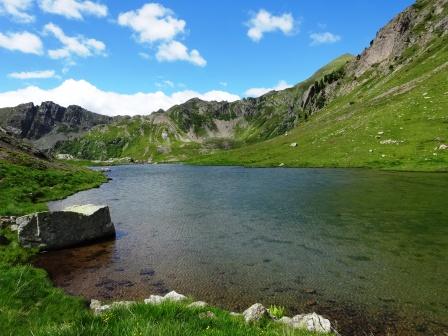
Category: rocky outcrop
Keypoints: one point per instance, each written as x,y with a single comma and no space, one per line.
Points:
49,123
72,226
171,296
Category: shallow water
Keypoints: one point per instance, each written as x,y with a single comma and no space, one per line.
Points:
368,249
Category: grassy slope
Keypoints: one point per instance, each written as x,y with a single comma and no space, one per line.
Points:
27,183
30,305
345,133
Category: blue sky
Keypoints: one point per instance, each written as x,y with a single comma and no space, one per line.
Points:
173,50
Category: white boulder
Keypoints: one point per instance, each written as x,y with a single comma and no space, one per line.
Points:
255,313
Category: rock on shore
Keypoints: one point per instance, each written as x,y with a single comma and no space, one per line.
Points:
72,226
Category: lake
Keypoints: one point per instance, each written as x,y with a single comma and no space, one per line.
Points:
369,249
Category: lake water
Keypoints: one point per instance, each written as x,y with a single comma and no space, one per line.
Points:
368,249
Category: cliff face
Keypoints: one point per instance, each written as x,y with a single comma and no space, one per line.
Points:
48,123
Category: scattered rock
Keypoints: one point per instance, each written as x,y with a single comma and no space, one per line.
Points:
95,304
281,164
380,133
255,313
235,314
443,147
7,221
207,315
311,322
389,142
74,225
154,299
173,296
294,144
64,157
122,304
198,304
285,320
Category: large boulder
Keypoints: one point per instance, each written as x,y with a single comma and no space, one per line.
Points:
72,226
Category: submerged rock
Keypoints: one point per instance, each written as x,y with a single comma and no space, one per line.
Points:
255,313
72,226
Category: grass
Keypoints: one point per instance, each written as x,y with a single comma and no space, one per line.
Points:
25,189
31,305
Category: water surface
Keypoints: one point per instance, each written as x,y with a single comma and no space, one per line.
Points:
368,249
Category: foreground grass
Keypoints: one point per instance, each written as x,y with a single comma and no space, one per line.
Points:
30,305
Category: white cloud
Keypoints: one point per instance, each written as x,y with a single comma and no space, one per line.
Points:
176,51
265,22
33,74
223,84
324,38
153,22
77,45
17,9
73,9
257,92
25,42
80,92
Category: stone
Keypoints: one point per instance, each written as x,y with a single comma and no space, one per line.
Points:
154,299
281,164
75,225
125,304
311,322
198,304
64,157
255,313
95,304
173,296
284,320
443,147
235,314
207,315
294,144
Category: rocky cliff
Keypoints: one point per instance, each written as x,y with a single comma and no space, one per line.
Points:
48,123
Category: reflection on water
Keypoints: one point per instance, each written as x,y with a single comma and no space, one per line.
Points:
353,244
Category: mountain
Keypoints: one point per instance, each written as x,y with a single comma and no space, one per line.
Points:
383,108
197,127
49,123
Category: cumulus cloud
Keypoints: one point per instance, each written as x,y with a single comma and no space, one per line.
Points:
17,9
153,22
257,92
324,38
73,9
264,22
176,51
76,45
24,42
80,92
33,74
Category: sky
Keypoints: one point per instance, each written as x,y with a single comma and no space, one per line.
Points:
135,57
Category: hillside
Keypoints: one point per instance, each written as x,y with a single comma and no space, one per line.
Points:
29,179
389,110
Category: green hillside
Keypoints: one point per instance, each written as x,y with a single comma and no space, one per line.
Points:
396,121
